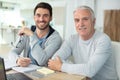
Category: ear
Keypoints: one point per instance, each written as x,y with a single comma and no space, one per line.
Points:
34,17
94,21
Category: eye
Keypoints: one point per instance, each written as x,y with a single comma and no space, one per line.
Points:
37,15
46,15
76,20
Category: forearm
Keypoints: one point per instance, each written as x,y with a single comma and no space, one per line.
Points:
40,56
89,68
16,51
13,56
64,52
43,54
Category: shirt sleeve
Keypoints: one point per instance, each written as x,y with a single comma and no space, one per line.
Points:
41,55
17,49
65,50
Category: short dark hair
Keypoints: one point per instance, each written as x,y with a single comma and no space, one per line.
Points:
43,5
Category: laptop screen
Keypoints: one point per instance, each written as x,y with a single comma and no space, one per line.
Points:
2,70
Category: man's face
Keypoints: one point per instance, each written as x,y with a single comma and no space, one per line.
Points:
84,23
42,18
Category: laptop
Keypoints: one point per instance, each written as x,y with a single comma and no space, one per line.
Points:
12,76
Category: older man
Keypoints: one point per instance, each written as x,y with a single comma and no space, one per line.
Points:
91,50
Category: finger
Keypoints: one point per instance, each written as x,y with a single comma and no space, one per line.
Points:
24,64
27,59
58,58
20,32
50,62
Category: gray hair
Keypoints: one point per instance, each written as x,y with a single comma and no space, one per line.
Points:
87,8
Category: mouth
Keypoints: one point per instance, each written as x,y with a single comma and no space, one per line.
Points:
42,23
82,28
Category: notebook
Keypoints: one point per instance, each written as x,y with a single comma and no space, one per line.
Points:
8,65
13,76
29,68
45,71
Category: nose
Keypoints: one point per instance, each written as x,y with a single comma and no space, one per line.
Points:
80,23
41,18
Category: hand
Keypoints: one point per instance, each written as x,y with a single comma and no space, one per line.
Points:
55,64
23,62
25,31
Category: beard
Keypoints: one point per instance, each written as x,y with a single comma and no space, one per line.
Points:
42,28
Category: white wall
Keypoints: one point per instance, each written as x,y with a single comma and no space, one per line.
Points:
9,19
64,13
71,5
57,21
102,5
27,15
97,5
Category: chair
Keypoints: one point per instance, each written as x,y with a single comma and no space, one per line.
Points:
116,52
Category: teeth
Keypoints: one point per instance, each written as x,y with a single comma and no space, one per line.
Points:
82,28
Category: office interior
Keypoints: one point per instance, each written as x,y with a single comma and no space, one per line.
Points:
14,12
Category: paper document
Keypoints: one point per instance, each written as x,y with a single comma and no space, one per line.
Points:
45,70
29,68
8,64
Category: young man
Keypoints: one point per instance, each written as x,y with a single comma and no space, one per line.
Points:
91,50
40,44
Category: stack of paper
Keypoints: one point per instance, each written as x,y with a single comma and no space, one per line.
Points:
29,68
8,64
45,70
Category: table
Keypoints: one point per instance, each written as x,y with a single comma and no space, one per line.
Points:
62,76
59,76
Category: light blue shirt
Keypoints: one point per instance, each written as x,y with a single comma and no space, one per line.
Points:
40,54
41,40
92,58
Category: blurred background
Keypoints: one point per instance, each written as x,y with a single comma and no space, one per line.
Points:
14,12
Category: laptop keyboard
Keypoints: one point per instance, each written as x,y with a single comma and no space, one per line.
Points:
11,77
17,76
